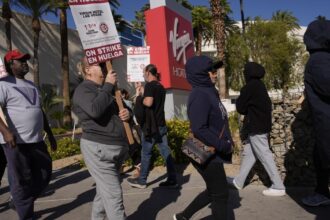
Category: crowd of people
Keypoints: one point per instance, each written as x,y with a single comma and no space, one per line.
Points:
104,143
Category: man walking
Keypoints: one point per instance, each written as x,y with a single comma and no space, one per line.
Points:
29,163
103,142
151,100
254,103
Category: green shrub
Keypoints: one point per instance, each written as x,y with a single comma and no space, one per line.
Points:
233,119
177,131
234,125
57,131
65,148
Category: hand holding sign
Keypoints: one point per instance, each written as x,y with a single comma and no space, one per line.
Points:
111,77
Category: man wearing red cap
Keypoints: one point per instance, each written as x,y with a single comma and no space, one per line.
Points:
29,163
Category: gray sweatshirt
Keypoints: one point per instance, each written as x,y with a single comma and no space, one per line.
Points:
97,111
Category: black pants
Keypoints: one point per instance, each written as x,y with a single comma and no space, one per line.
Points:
322,176
216,192
3,163
29,172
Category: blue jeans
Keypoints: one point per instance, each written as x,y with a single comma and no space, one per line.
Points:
164,150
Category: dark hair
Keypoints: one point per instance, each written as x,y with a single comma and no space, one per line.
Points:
153,70
7,66
125,93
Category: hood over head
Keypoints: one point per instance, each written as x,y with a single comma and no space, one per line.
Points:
198,68
317,36
253,70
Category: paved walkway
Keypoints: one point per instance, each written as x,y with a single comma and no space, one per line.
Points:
70,195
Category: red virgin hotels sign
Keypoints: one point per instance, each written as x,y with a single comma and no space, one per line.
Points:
170,37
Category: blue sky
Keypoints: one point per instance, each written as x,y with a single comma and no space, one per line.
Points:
304,10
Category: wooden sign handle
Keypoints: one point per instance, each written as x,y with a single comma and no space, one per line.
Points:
121,106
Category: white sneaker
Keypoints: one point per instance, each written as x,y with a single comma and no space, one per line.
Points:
231,181
273,192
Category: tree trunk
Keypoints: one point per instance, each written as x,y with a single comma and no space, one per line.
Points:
35,63
67,120
219,38
242,16
199,43
7,15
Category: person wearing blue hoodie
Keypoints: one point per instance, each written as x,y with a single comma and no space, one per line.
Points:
254,103
317,89
208,117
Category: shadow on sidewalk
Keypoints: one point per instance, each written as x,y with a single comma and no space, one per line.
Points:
62,177
296,194
160,197
234,202
58,211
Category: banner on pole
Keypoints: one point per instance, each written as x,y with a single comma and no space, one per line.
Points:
137,59
97,30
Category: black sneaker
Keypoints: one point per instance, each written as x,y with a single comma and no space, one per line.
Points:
179,216
169,184
11,204
134,182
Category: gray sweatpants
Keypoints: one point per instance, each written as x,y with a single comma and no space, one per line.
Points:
258,148
103,163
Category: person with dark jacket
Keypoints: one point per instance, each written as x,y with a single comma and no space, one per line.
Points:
208,117
255,104
317,89
103,143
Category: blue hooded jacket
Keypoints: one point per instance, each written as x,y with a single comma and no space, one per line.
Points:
206,113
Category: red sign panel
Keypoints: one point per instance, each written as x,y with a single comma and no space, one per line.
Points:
170,38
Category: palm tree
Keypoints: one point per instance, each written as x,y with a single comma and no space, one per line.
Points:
140,23
62,6
321,18
202,26
36,8
218,13
7,15
185,3
287,18
242,16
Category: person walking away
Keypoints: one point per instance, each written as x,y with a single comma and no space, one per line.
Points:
29,163
317,89
254,103
103,143
208,117
150,100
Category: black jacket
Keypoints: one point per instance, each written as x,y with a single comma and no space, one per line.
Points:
206,113
254,101
317,85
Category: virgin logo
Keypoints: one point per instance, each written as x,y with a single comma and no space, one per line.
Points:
179,44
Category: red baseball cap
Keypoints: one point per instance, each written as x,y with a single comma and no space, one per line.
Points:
16,55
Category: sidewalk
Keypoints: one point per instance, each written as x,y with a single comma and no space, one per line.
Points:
70,194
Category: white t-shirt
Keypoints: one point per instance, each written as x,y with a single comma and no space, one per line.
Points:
20,102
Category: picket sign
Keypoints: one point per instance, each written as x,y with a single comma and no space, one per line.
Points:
120,104
99,38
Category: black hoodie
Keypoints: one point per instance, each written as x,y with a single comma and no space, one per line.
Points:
206,113
254,101
317,72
